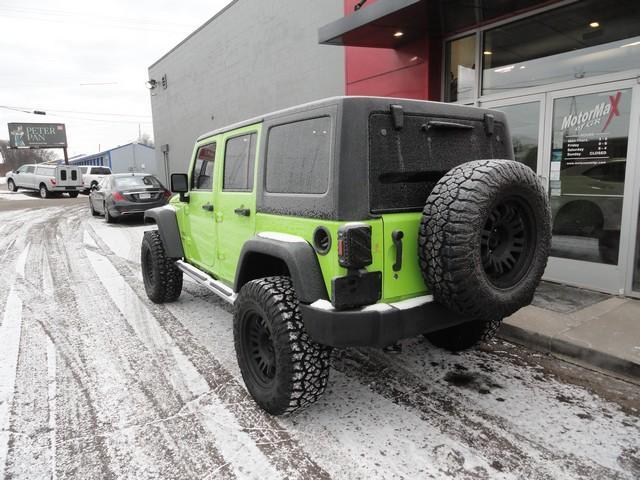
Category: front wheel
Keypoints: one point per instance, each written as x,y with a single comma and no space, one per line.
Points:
282,367
12,186
162,279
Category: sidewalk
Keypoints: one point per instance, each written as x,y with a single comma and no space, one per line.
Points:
591,328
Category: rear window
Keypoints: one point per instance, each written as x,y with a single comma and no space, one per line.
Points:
138,181
100,171
298,157
406,163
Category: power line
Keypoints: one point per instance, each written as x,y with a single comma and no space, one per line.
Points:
28,110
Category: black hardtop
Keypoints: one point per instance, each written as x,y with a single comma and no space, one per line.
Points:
364,105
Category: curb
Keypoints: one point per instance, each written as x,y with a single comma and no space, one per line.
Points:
585,356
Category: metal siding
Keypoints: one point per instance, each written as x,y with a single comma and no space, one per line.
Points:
251,60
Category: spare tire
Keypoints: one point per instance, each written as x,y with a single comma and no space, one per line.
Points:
485,237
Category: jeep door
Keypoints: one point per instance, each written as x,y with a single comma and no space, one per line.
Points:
235,197
199,229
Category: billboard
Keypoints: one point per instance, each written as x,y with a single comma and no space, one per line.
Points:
37,135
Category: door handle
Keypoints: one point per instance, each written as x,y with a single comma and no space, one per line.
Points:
397,236
243,212
208,207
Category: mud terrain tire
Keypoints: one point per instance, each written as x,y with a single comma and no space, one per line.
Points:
283,369
162,279
484,240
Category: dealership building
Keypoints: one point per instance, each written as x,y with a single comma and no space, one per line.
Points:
565,72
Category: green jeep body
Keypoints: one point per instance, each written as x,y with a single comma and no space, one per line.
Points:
332,195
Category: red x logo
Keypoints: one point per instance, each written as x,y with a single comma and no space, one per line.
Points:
615,100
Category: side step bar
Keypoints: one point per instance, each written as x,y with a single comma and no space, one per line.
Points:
217,287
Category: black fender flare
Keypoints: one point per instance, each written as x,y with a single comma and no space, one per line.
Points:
299,257
165,218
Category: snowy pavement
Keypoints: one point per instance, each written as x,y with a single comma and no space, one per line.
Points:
98,382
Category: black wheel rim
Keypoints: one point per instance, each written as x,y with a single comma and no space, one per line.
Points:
259,350
507,242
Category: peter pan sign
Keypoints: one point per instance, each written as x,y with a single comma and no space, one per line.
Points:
37,135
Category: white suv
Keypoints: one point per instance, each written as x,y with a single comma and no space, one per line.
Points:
92,176
46,179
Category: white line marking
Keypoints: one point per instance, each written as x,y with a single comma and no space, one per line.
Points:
10,334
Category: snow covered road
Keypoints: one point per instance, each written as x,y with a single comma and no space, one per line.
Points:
98,382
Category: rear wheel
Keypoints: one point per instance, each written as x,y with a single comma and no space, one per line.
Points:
74,194
162,279
44,191
483,244
12,186
283,369
464,336
107,216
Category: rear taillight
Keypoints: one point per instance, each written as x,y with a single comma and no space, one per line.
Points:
354,246
53,181
117,196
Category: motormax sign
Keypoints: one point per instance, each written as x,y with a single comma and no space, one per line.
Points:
37,135
593,117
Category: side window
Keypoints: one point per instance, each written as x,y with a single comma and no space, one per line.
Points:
202,175
299,157
30,169
239,158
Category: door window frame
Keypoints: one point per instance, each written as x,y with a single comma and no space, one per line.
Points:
192,180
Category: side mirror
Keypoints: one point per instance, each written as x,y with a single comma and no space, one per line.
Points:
180,184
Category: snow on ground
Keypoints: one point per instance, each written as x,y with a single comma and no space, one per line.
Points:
19,195
98,382
3,180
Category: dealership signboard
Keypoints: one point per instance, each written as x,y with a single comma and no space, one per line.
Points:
37,135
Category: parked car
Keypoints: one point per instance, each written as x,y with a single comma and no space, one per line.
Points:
125,194
351,221
49,180
91,176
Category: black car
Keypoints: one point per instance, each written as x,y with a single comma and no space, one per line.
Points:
125,194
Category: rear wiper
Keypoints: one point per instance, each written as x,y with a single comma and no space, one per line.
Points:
440,124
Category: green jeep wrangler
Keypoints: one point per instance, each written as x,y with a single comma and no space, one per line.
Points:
351,221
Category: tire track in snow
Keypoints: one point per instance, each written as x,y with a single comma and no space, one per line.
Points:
284,452
10,330
144,443
506,450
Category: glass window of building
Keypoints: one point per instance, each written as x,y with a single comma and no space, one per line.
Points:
587,173
584,39
524,125
460,71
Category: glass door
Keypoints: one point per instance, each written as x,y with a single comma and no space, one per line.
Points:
588,143
526,124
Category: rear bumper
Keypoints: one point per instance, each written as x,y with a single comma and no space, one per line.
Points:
76,188
376,325
133,208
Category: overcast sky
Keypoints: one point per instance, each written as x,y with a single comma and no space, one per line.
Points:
85,63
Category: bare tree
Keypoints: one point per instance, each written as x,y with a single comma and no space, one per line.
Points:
17,157
145,139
